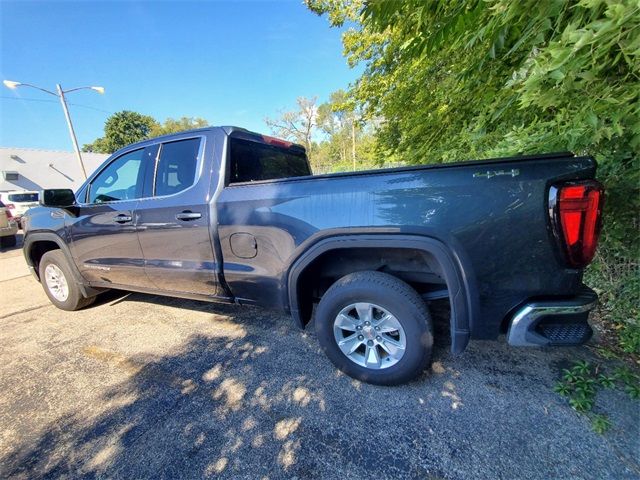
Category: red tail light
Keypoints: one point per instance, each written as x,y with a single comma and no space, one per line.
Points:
9,215
576,210
10,205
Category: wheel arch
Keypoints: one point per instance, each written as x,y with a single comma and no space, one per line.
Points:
36,244
462,292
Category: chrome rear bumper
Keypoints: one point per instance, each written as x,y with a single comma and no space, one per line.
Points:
553,322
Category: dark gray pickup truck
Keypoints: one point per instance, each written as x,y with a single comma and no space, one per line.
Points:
224,214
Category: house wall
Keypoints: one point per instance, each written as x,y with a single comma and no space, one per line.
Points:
39,169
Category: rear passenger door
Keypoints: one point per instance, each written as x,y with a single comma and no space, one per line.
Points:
173,221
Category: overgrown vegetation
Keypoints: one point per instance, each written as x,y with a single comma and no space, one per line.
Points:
454,80
581,383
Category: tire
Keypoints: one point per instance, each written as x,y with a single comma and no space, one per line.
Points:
62,276
8,241
388,302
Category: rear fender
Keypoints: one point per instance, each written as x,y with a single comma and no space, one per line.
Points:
461,294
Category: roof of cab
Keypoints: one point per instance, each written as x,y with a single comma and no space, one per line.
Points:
228,130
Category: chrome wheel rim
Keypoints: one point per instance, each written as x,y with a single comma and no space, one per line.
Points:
369,335
56,282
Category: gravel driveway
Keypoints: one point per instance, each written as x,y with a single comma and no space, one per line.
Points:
141,386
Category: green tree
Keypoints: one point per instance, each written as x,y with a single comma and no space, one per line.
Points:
122,129
455,79
173,125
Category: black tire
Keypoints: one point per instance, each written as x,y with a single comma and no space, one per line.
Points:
397,298
8,241
74,300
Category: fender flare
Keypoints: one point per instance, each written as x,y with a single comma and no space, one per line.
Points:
462,293
32,238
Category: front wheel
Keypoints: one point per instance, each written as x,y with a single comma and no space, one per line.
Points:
59,284
375,327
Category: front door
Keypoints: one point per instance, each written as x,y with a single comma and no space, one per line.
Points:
104,240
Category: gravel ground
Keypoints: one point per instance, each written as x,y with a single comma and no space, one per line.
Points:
141,386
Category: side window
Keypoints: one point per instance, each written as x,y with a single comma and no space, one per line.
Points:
176,169
121,180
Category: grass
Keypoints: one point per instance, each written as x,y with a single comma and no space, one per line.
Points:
581,383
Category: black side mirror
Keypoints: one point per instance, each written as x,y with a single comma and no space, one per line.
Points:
57,197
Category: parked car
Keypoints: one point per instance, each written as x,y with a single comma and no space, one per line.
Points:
18,202
8,227
224,214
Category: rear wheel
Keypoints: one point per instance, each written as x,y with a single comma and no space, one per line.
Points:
59,284
375,327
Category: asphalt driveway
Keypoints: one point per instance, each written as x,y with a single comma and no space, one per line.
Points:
141,386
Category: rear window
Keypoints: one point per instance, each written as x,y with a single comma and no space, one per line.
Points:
23,197
254,161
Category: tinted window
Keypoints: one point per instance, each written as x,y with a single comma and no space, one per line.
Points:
252,161
121,180
176,170
23,197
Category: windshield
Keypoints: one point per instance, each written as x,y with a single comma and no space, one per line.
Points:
23,197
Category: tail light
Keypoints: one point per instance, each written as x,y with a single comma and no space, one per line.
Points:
9,214
576,210
10,206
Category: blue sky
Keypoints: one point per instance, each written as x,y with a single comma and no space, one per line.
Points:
230,62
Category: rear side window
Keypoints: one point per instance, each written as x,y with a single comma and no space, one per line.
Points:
176,170
253,161
23,197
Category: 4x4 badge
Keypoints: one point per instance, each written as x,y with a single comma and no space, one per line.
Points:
514,172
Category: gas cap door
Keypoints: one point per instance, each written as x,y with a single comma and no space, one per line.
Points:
243,245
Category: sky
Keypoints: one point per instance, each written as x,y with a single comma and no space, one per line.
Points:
230,62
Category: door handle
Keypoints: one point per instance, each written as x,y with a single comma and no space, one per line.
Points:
122,218
187,215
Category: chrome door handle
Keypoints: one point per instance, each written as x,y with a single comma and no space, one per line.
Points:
186,216
122,218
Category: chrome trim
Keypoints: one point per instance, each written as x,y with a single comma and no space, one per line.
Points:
521,333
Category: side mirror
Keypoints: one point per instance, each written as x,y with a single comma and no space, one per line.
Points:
57,197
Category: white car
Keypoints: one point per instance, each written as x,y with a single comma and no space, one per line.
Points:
18,202
8,228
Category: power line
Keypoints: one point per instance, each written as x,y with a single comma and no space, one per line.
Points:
4,97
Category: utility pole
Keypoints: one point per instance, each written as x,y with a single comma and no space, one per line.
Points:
71,130
60,94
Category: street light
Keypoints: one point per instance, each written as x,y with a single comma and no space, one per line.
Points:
60,94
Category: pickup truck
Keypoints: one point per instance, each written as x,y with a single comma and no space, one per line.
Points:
227,215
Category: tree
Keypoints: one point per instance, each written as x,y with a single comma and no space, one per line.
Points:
122,129
461,79
297,125
172,125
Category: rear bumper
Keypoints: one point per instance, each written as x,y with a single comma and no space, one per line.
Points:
553,322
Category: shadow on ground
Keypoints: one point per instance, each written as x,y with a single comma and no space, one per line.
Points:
262,402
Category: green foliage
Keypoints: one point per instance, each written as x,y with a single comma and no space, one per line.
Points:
122,129
172,125
455,80
126,127
333,133
600,423
581,382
